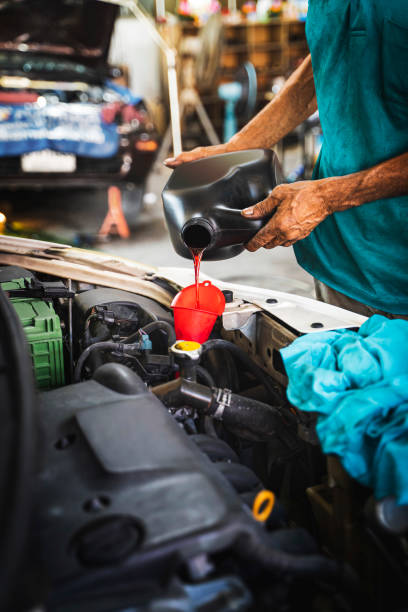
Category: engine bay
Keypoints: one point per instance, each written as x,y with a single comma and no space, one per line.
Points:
165,475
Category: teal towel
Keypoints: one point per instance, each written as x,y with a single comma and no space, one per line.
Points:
357,382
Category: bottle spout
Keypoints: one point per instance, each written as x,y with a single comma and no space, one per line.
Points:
197,233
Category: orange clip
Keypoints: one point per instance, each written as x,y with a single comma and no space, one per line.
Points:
265,499
115,219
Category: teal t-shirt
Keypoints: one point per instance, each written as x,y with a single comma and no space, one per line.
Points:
359,54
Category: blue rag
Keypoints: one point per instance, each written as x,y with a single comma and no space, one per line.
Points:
357,382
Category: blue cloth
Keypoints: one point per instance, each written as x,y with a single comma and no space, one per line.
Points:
359,52
76,128
67,128
357,382
126,95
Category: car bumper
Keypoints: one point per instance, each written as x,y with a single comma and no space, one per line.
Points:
90,173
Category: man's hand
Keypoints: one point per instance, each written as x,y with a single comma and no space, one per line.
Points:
298,208
198,153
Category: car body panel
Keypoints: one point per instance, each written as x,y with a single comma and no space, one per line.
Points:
295,312
75,28
302,314
57,95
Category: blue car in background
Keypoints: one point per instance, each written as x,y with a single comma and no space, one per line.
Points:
64,121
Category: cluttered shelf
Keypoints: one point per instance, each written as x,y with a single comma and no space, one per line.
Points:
213,52
273,46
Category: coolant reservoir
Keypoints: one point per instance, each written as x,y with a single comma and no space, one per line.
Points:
203,200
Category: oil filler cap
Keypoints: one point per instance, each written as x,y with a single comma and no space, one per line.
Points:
107,541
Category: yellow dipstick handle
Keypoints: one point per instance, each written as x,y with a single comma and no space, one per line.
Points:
266,500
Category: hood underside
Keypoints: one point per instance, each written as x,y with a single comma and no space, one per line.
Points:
79,29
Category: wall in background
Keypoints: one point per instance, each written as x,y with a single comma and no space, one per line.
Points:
133,47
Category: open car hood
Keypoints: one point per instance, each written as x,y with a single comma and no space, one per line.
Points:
78,29
296,313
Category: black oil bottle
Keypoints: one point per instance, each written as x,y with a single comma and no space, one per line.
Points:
203,200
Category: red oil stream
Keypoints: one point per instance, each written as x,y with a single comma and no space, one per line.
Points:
197,254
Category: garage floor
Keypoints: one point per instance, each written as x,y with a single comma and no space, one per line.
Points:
65,216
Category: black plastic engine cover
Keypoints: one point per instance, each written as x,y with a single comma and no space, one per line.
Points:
122,492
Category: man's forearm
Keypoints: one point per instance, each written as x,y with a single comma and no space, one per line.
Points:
292,105
386,180
300,207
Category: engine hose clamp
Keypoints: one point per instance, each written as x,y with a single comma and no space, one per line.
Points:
223,400
263,505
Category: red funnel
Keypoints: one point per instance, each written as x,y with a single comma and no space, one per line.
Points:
193,323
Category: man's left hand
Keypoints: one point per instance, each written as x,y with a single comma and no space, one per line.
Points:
299,208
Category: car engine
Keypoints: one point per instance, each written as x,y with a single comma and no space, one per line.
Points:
144,474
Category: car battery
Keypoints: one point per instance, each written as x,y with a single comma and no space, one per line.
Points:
42,328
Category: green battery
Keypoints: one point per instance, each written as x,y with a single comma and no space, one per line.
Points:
42,327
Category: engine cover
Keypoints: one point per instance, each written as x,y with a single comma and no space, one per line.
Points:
122,488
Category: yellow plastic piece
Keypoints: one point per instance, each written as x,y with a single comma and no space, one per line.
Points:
265,499
187,345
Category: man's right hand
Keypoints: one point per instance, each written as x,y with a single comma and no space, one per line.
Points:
198,153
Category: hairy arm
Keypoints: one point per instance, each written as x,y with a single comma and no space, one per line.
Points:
293,104
301,206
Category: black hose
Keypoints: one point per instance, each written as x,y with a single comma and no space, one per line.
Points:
153,326
205,376
248,418
257,550
209,427
119,378
102,338
292,540
247,362
182,392
223,368
101,346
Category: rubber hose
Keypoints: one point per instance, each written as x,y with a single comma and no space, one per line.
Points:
119,378
246,417
247,362
258,551
209,428
293,540
88,338
102,338
252,419
85,354
223,368
153,326
205,376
